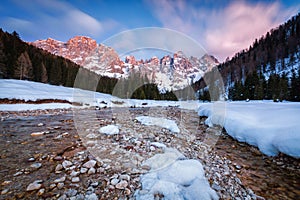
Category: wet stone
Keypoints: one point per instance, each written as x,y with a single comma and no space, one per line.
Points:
66,164
83,170
114,181
75,179
122,185
92,170
62,179
89,164
36,165
60,185
58,167
36,185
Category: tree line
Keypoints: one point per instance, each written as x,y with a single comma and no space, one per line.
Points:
19,60
272,61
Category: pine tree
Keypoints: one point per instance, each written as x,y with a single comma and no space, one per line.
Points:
283,85
23,68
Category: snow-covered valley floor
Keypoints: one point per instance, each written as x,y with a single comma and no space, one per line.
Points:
122,141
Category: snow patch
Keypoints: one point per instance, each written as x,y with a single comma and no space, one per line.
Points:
158,121
109,130
174,177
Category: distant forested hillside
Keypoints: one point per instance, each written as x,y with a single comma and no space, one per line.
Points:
268,69
19,60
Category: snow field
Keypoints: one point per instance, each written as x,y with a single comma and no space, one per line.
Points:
272,127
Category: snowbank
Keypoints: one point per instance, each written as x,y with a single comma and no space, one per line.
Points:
174,177
27,90
22,107
272,127
159,121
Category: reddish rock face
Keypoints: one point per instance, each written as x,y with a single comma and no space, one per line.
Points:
84,51
177,69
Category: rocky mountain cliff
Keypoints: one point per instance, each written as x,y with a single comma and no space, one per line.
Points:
169,73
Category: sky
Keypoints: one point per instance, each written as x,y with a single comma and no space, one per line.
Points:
221,27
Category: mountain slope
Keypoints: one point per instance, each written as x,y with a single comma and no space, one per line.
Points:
268,69
168,73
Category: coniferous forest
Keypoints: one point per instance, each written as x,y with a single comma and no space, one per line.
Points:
268,69
19,60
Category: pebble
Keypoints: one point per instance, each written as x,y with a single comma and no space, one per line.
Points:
74,173
36,165
32,159
92,170
215,186
89,164
52,186
60,185
92,196
71,192
95,184
125,177
57,158
66,164
5,191
122,185
91,136
58,168
41,192
75,180
59,180
6,182
114,181
83,170
36,185
18,173
37,133
62,197
127,192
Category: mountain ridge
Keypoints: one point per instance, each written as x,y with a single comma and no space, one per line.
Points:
173,72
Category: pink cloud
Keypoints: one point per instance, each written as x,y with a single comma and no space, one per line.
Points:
223,32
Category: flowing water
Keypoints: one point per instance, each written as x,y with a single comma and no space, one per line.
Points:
269,177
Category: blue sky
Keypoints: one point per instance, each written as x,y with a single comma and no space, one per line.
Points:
222,27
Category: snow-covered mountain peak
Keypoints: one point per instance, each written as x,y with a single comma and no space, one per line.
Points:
171,72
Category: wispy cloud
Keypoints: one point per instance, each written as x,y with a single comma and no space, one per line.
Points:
222,31
57,19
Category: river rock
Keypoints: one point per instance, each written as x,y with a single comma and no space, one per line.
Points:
74,173
75,180
125,177
67,164
36,185
92,196
59,180
5,191
83,170
36,165
122,185
89,164
114,181
71,192
92,170
60,185
41,192
58,168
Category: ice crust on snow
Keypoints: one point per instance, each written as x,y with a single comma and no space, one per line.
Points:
109,130
158,121
175,177
272,127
